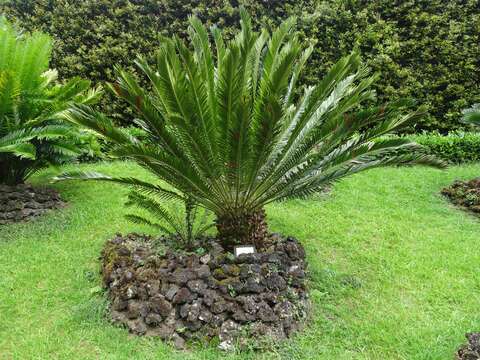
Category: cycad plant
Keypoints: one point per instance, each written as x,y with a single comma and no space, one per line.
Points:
31,133
229,126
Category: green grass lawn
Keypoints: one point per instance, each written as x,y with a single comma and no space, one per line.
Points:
393,267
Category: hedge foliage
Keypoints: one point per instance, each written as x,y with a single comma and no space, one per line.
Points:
425,49
455,147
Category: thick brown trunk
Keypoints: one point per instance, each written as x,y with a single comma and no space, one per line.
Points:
243,229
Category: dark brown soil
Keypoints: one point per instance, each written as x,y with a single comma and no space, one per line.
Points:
465,194
24,202
470,351
179,296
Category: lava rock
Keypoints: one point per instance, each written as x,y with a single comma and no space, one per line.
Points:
182,296
265,312
191,311
250,304
470,351
203,271
252,285
231,270
178,342
228,333
294,250
132,292
119,304
205,259
247,270
135,309
275,282
163,331
153,319
24,202
178,297
205,315
210,296
241,316
197,286
153,287
160,305
182,276
137,326
254,258
172,291
465,194
220,306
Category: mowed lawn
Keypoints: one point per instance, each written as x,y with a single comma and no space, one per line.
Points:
394,272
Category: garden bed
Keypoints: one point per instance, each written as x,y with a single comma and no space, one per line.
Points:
179,296
50,304
465,194
24,202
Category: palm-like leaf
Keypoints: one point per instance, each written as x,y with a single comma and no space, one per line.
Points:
472,115
228,128
31,133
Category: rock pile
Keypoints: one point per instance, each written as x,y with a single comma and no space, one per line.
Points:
470,351
465,194
22,202
178,297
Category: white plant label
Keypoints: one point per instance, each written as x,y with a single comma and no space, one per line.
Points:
244,249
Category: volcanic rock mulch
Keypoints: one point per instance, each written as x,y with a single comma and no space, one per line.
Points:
188,296
465,194
470,351
23,202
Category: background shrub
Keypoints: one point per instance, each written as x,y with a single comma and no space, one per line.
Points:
425,49
456,147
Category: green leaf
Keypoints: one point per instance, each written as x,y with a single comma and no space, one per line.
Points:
23,150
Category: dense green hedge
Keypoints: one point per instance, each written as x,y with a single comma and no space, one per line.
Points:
455,148
426,49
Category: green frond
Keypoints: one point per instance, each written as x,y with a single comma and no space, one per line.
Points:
154,208
137,219
31,104
87,117
23,150
139,185
230,130
472,115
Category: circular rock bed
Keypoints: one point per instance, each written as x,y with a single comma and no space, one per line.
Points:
187,296
23,202
465,194
470,351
